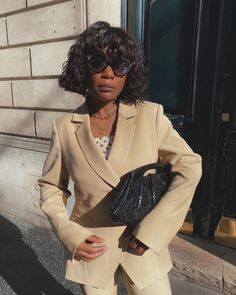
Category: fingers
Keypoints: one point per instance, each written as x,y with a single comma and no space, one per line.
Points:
91,249
140,249
94,239
88,251
133,243
137,245
88,257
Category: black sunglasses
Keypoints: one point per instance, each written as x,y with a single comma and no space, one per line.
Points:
98,63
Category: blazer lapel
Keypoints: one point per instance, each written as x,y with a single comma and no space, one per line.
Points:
90,149
123,139
109,170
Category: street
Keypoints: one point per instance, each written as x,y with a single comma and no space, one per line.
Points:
31,264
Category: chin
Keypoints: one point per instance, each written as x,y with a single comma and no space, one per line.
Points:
107,97
104,97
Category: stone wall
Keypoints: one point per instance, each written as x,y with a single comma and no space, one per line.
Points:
35,36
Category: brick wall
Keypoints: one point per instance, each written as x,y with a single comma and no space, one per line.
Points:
35,36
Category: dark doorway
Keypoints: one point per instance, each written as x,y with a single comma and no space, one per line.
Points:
190,48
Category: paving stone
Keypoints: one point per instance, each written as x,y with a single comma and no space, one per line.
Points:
50,22
44,121
15,121
107,10
11,57
3,35
43,93
36,2
11,5
47,59
5,93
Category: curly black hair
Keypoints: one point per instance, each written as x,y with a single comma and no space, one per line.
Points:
97,37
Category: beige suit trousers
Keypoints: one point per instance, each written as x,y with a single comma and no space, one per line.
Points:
161,286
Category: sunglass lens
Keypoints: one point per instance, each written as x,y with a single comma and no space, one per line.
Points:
121,68
96,63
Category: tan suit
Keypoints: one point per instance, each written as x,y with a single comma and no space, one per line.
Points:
143,134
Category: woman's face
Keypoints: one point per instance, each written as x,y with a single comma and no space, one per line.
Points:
105,85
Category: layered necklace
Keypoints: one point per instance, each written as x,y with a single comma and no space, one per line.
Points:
98,118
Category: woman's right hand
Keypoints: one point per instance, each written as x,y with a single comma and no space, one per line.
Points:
87,251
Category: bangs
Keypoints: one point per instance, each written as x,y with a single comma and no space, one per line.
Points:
113,43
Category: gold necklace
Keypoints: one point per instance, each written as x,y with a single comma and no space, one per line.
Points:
108,114
101,128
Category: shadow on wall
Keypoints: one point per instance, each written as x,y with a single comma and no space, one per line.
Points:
20,267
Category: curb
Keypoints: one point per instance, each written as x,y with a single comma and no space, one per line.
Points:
204,262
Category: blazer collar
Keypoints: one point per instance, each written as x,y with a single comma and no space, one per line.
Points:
125,110
109,170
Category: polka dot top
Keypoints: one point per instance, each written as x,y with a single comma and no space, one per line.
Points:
105,143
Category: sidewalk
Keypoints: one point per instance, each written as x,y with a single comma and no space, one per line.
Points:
31,262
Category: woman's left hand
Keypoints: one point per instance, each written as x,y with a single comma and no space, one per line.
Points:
137,245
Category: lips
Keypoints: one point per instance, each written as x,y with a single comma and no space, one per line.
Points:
106,88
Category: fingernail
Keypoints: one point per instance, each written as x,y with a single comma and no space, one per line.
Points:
133,244
88,241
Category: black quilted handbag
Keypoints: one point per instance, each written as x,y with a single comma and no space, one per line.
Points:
137,194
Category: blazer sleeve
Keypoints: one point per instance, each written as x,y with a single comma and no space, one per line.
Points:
161,224
53,194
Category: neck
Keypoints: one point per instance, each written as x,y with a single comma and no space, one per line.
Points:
99,107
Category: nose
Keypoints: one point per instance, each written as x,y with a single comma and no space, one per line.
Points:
108,73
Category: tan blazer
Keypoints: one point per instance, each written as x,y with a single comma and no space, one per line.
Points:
143,134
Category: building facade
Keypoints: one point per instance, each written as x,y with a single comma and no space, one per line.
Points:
189,47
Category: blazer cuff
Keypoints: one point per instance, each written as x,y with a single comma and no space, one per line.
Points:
142,237
81,238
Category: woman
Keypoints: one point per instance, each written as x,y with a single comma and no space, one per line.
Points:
111,133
